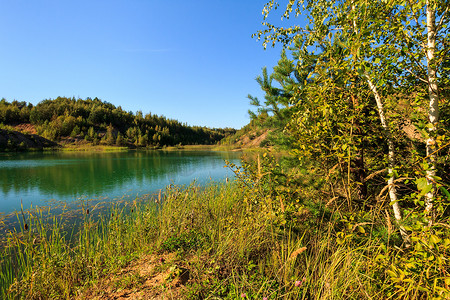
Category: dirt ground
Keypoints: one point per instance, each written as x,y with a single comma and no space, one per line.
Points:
150,277
252,139
26,128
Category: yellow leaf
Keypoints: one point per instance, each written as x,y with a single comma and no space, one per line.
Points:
392,274
434,239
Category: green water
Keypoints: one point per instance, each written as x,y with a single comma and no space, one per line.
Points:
42,179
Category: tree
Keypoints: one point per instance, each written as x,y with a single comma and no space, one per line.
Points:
91,134
110,139
75,132
384,43
120,140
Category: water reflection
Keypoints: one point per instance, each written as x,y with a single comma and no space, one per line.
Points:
37,177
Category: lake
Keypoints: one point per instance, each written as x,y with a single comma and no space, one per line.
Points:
43,179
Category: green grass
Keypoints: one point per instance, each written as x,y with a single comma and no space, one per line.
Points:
40,262
232,242
189,147
89,147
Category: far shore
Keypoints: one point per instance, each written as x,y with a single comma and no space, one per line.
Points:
112,148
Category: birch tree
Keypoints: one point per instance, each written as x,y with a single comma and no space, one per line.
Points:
413,36
338,21
390,44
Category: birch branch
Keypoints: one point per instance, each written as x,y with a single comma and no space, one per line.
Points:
418,77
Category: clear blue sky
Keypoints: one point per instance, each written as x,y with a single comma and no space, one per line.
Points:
193,61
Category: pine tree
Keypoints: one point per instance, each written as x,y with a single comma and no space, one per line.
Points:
110,139
120,140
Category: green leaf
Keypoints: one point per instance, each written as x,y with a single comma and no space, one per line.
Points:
380,257
392,274
436,178
445,192
426,189
435,239
360,71
421,183
395,173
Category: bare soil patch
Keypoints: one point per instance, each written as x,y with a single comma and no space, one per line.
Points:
151,277
253,139
26,128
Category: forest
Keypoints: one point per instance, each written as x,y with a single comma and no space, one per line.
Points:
94,121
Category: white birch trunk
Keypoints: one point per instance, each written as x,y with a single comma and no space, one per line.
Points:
433,113
391,162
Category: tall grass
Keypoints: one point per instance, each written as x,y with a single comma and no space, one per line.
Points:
45,259
228,237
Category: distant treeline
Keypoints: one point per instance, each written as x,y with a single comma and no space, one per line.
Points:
98,121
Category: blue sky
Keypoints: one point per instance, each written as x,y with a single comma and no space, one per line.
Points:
193,61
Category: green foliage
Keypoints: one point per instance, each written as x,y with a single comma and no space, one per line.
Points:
184,241
109,137
420,272
267,234
75,132
63,117
15,112
120,139
41,262
360,103
319,226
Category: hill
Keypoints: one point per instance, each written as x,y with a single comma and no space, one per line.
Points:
93,121
15,140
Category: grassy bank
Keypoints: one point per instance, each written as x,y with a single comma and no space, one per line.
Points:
107,148
220,241
87,147
90,147
210,233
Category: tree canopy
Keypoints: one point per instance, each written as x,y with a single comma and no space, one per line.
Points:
98,121
363,94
